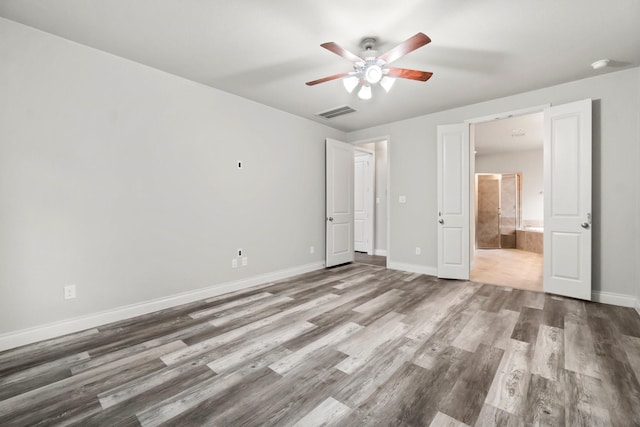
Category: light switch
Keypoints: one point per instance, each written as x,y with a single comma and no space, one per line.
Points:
403,199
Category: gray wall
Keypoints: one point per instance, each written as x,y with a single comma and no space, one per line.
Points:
381,194
412,150
122,179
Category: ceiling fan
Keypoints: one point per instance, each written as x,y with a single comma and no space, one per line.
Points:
373,69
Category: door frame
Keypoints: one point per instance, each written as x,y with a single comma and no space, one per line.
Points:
370,201
472,163
387,193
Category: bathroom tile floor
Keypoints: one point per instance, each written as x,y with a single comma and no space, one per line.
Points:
508,267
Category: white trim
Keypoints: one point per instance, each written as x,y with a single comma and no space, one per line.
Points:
615,299
413,268
637,307
380,252
508,114
56,329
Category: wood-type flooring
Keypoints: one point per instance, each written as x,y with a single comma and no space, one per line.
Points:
348,346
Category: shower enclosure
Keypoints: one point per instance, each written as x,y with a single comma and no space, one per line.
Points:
497,210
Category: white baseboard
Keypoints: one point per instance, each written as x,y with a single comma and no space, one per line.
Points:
380,252
412,268
614,299
56,329
638,305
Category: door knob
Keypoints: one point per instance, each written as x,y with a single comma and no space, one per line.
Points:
330,218
584,225
441,221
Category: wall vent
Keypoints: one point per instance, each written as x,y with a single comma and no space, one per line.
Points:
335,112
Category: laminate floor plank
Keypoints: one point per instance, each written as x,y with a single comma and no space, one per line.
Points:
585,400
365,380
545,403
400,401
428,317
352,345
491,416
429,352
526,329
273,404
489,328
618,376
579,351
631,346
548,356
473,385
511,382
184,401
444,420
327,413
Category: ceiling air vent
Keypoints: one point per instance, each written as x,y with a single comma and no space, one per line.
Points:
335,112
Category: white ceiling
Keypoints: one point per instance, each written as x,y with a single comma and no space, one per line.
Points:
267,50
521,133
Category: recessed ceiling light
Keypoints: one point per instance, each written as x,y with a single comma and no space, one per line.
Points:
601,63
518,132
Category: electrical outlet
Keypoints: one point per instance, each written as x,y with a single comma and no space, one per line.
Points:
234,263
69,291
239,252
418,251
312,249
245,261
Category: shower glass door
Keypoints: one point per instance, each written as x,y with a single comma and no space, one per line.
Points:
488,215
508,210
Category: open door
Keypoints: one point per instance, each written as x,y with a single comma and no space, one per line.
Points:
339,202
363,205
567,199
453,202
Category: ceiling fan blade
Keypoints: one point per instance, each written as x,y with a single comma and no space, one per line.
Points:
405,73
409,45
339,50
326,79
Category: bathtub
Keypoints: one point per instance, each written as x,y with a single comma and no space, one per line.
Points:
530,239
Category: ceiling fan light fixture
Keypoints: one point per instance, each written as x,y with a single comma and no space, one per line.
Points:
365,92
387,83
350,83
373,74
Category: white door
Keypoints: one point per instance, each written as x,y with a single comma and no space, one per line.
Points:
453,202
339,202
363,202
567,199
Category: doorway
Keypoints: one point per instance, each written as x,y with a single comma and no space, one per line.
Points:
363,200
567,197
508,189
376,174
339,200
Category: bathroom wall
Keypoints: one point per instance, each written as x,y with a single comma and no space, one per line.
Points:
530,164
